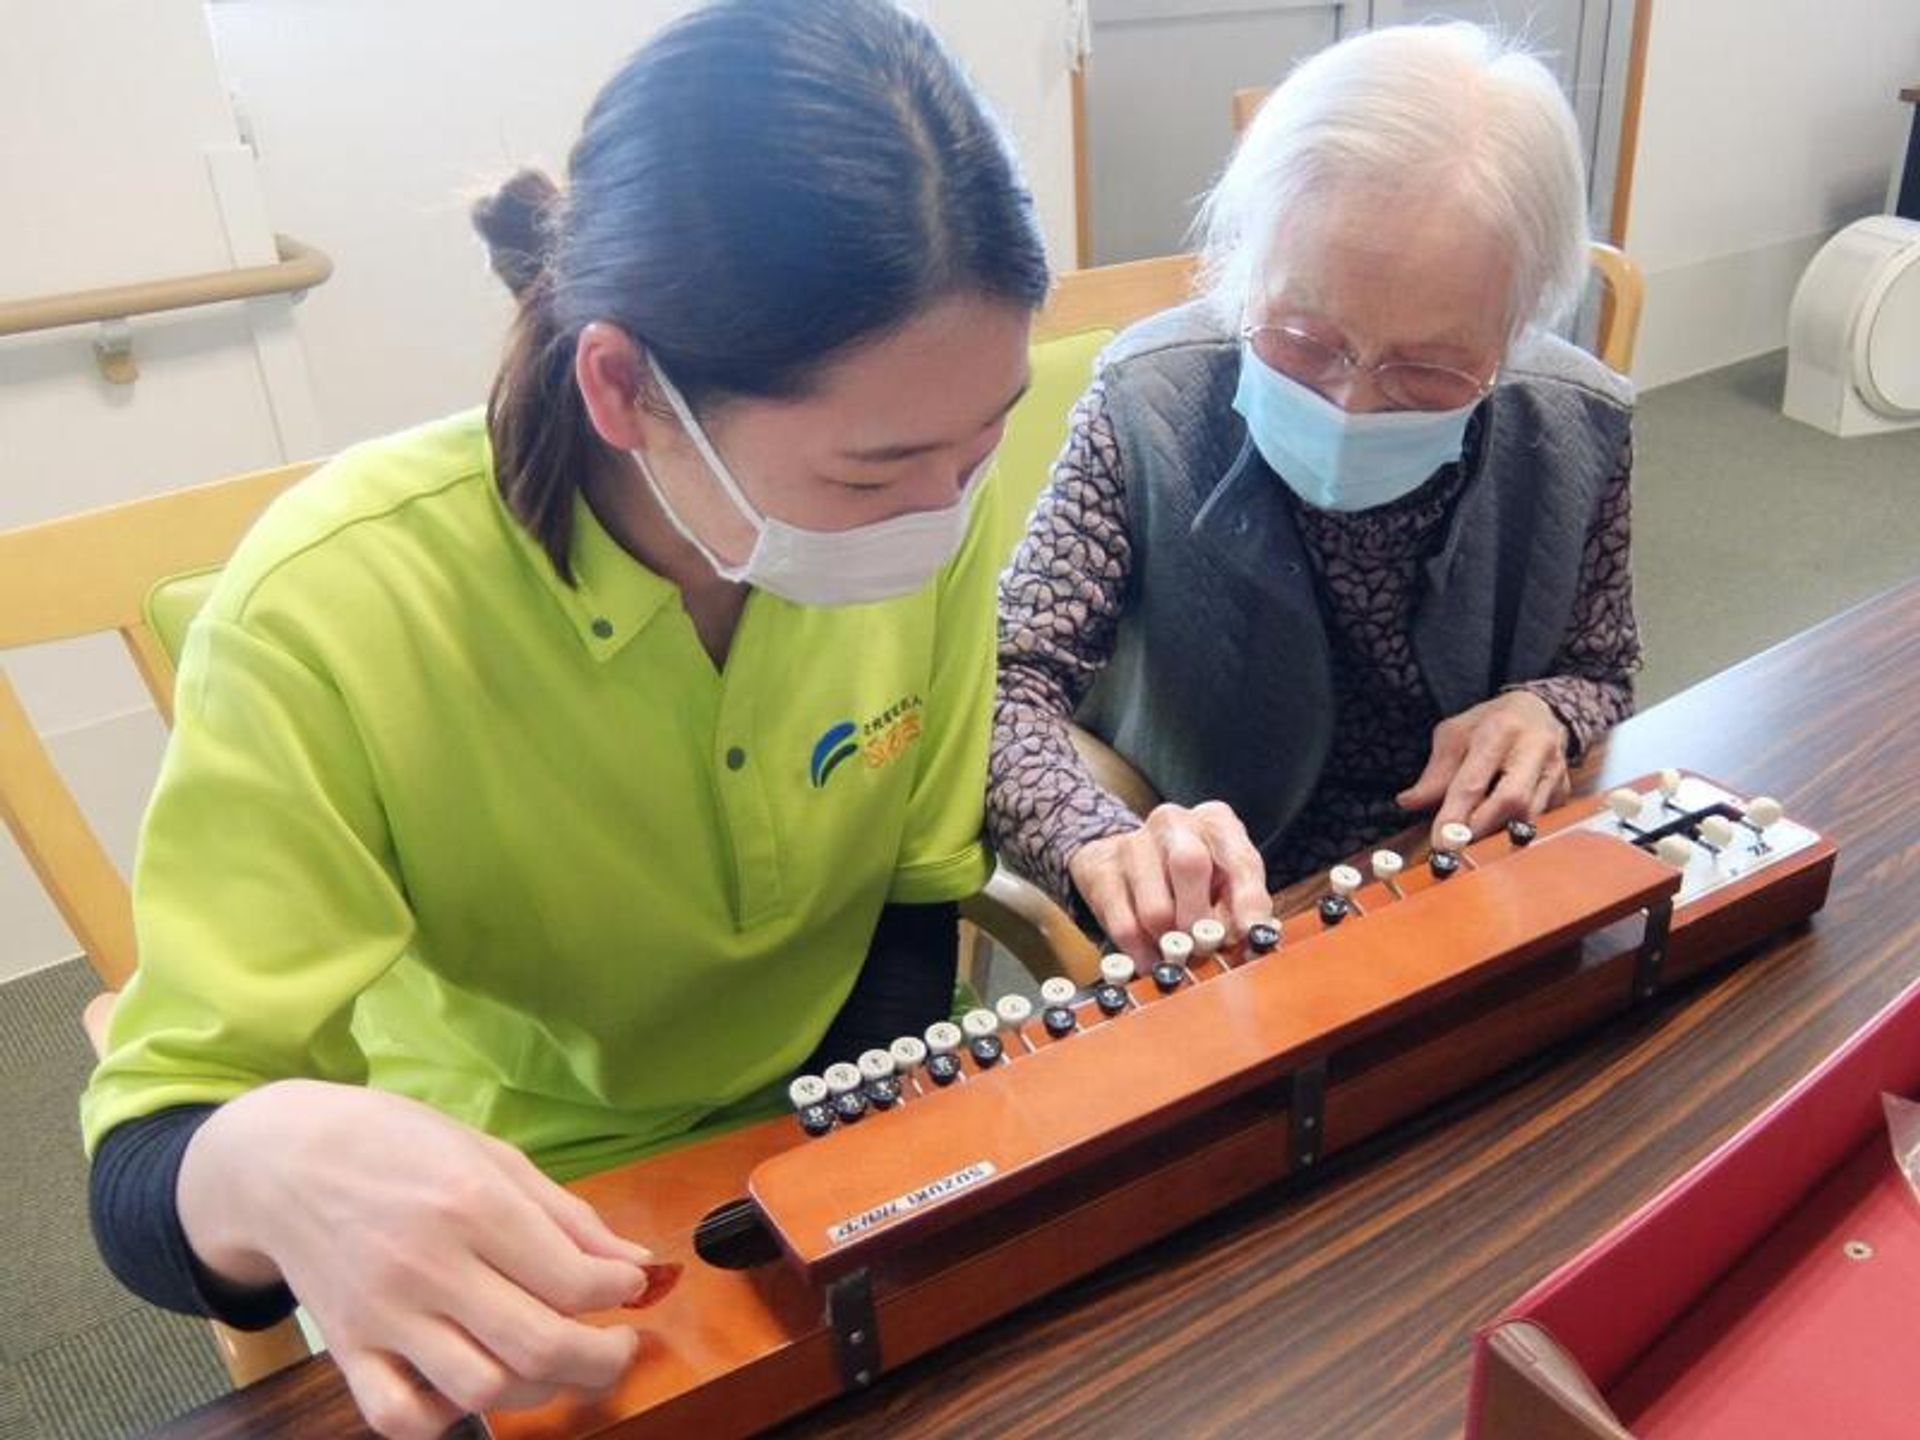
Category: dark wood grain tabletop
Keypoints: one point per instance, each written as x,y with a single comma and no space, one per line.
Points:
1345,1309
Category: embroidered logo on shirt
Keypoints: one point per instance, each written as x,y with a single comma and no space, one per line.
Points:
878,741
833,747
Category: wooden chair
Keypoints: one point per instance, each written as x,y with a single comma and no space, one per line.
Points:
1623,287
84,576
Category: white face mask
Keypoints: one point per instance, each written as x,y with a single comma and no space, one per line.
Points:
881,561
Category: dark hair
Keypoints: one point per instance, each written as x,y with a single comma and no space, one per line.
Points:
765,185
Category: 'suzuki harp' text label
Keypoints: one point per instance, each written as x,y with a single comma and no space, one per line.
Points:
932,1193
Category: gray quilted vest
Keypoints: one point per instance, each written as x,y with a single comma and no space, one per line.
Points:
1221,688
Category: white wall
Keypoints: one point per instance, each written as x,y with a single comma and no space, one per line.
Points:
1764,128
376,122
120,163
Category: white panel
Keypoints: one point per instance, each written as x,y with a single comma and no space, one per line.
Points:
1159,90
276,343
1755,131
1703,316
105,105
1759,138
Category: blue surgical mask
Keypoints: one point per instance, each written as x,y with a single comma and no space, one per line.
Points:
1339,461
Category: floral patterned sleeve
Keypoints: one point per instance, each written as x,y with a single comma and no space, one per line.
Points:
1060,605
1591,689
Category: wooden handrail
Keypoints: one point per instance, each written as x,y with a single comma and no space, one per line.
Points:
300,268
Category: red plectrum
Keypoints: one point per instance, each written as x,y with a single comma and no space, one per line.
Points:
661,1279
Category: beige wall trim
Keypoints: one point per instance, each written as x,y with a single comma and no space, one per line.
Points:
299,268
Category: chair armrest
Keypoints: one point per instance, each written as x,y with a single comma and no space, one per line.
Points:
1020,917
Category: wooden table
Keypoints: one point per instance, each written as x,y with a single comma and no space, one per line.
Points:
1343,1310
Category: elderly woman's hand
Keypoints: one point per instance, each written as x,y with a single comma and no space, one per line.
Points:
1180,866
1505,759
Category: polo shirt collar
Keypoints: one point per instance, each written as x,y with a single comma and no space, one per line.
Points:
614,596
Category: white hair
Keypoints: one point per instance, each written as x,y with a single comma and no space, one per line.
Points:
1452,106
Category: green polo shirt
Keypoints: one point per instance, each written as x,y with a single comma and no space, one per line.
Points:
435,820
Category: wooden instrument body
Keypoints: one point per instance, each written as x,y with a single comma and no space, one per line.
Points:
1110,1138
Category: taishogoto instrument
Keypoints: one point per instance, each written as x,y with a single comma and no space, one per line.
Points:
922,1191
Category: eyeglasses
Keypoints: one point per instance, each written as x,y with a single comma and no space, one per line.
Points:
1407,384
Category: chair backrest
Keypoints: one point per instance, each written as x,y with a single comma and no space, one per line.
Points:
1086,310
1624,287
1111,297
86,575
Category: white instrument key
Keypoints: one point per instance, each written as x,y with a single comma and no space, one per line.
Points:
1717,831
1343,880
1208,936
1676,850
843,1079
1669,783
1177,947
1014,1010
943,1037
979,1023
877,1064
1057,990
1456,835
1625,805
909,1053
1387,864
807,1090
1764,812
1116,969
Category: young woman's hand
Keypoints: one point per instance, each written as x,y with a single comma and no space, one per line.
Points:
1182,864
442,1266
1505,759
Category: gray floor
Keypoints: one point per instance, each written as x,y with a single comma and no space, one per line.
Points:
80,1359
1749,528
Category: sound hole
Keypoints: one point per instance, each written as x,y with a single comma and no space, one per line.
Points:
733,1237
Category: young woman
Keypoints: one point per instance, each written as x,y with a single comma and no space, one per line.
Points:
549,785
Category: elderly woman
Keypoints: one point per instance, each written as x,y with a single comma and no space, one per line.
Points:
1345,540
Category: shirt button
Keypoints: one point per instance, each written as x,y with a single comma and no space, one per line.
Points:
736,758
603,627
